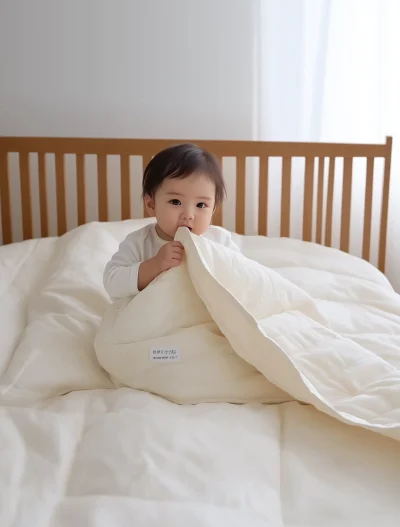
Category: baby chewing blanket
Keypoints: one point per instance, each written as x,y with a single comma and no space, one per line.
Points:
224,328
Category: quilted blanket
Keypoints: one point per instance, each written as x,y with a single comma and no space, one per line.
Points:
284,320
224,328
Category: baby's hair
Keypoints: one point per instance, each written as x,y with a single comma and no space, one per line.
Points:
181,161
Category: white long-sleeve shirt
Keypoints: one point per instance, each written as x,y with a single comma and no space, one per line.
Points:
121,273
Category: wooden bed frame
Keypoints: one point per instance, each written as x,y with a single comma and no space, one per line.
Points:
146,148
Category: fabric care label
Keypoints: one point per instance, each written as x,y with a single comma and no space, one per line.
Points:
164,355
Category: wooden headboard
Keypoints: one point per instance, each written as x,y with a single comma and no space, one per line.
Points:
319,183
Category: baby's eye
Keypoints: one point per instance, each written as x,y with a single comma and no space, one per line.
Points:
174,202
201,205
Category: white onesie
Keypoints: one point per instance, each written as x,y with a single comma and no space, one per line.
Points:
121,272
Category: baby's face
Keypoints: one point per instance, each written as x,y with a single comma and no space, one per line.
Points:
187,202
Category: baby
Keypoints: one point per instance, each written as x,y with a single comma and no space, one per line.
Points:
182,186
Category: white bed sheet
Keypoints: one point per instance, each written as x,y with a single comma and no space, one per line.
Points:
100,456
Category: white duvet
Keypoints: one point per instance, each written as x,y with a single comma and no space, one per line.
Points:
305,323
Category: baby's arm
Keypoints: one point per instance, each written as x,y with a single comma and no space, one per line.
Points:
125,275
170,255
148,271
121,273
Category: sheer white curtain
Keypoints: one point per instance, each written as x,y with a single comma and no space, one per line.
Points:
329,70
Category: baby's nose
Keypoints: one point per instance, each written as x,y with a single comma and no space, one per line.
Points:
187,214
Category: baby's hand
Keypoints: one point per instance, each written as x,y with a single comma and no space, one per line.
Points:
170,255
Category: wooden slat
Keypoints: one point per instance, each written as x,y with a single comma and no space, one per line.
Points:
102,187
308,199
125,188
44,220
217,216
366,248
60,192
219,211
385,206
26,197
146,158
285,198
240,194
263,197
346,204
329,202
320,199
81,188
5,199
78,145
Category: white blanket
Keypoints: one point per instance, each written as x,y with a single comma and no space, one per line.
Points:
271,326
76,450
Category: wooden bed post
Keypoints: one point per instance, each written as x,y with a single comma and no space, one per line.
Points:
385,205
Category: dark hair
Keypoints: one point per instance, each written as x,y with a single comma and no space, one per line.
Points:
180,161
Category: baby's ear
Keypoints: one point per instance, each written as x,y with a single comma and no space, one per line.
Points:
149,205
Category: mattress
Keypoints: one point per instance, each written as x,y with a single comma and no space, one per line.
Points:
76,448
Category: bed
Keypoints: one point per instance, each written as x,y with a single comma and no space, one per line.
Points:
75,447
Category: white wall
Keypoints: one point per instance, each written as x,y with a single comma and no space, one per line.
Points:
127,68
